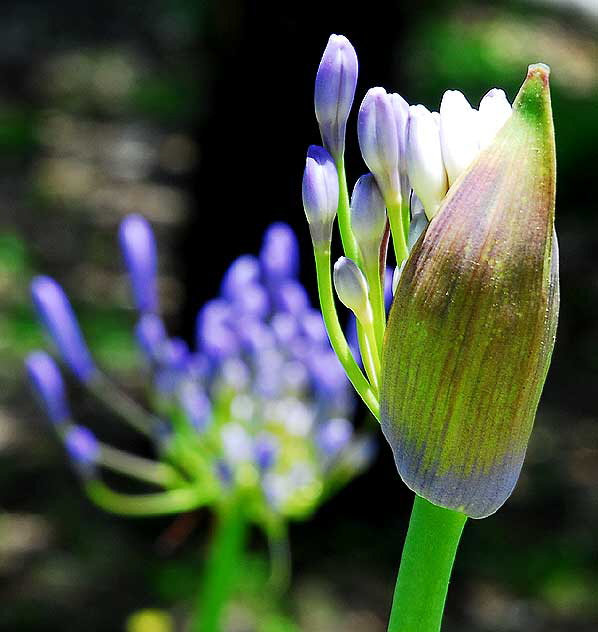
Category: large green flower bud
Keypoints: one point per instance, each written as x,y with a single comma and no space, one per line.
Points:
473,322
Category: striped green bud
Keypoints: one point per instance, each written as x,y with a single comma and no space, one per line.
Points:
473,322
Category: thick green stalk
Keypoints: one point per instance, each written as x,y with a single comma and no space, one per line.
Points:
221,569
426,565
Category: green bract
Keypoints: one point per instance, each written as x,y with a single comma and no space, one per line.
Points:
472,326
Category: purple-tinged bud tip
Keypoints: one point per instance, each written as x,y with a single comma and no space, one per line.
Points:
47,383
244,271
279,255
377,133
352,288
320,194
57,317
82,448
139,252
151,335
333,436
336,81
368,216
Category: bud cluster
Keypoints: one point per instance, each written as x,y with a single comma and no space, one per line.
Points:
466,198
257,412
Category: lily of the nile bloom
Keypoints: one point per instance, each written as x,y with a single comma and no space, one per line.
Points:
253,422
456,373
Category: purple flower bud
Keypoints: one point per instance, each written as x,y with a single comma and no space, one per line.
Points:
195,404
57,317
388,273
336,81
46,380
252,301
242,272
312,325
83,449
139,251
320,194
150,334
377,133
224,472
254,335
174,353
279,255
333,436
284,326
291,297
265,451
213,330
368,216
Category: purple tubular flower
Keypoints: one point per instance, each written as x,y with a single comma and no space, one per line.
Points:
336,81
213,329
291,297
83,448
57,317
150,334
242,272
279,255
333,436
139,252
377,133
196,405
46,380
265,451
320,194
252,301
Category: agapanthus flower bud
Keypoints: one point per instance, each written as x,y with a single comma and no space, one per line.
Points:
279,255
458,133
83,449
58,318
150,334
214,333
352,288
493,113
425,167
265,450
401,110
139,252
368,216
46,380
378,141
243,271
333,436
336,81
320,194
473,322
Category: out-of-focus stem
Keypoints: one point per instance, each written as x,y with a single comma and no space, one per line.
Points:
221,569
157,504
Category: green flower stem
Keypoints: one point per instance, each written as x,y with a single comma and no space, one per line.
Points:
350,246
336,334
376,297
120,404
157,504
280,557
370,353
397,229
426,565
154,472
221,569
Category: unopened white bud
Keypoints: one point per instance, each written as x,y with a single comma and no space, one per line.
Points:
425,166
458,133
368,216
494,111
352,288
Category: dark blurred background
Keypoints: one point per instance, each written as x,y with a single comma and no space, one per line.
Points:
198,115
